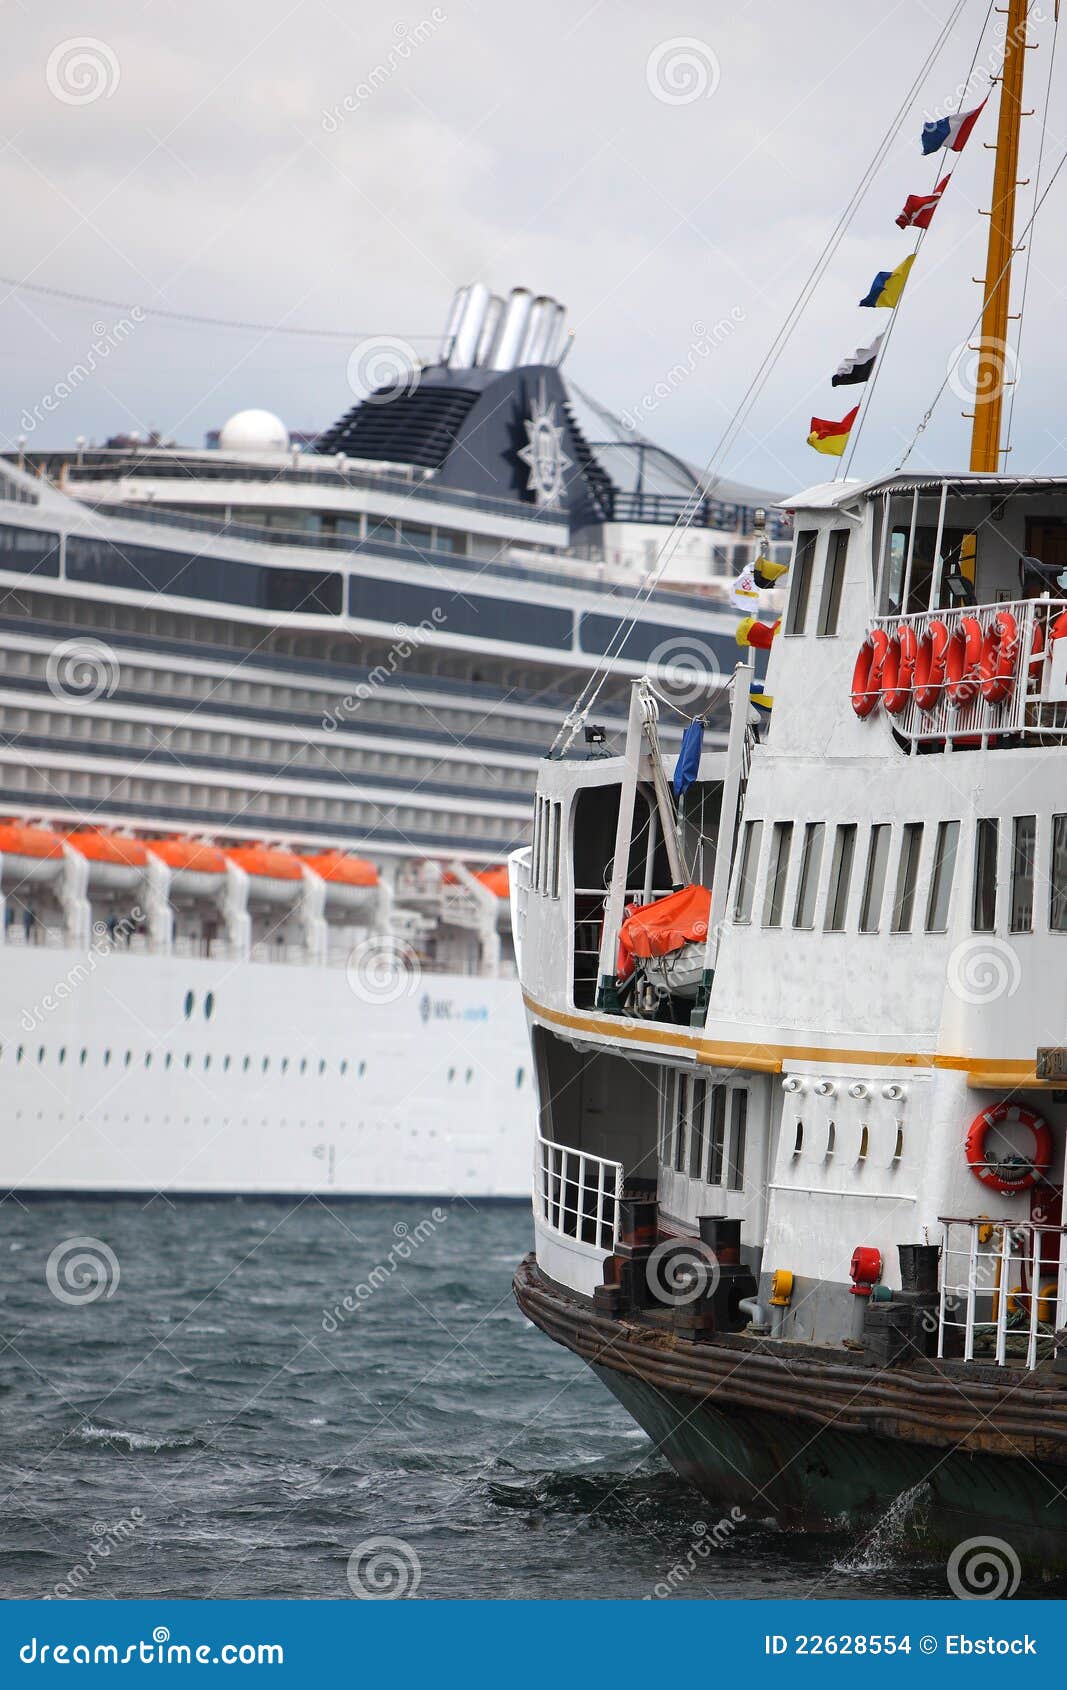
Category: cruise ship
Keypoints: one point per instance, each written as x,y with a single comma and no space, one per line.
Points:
802,1144
271,721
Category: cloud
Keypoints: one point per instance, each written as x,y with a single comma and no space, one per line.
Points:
512,145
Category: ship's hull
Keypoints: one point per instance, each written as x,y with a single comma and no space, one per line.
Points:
134,1073
817,1445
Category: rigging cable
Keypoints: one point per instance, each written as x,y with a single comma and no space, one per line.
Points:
928,413
1030,242
191,317
918,248
594,685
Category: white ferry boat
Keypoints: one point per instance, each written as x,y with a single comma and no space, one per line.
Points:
269,723
801,1150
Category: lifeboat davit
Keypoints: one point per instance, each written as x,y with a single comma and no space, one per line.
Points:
30,853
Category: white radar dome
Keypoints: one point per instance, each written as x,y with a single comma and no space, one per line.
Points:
254,431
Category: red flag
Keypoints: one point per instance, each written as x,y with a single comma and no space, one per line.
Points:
919,208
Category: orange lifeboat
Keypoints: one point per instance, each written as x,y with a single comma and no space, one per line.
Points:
342,870
19,839
194,855
495,880
269,862
99,846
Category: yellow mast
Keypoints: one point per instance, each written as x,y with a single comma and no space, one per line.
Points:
993,347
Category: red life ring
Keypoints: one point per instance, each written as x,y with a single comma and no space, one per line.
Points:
999,655
898,670
963,660
867,675
1009,1173
930,666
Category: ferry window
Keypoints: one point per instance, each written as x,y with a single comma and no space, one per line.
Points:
986,839
907,877
717,1135
781,845
948,834
840,878
681,1129
797,614
698,1097
375,599
668,1110
738,1130
1057,913
746,873
874,881
810,864
833,581
1024,839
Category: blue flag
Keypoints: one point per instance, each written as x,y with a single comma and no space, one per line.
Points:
688,765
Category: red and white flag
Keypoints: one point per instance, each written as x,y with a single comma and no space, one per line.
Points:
919,208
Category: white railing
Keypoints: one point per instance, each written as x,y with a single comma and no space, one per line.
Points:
577,1194
1027,708
1003,1288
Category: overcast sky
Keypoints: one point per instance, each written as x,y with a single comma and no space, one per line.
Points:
345,165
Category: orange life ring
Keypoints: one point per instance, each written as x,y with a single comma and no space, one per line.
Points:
867,675
930,666
999,655
962,662
898,670
1009,1173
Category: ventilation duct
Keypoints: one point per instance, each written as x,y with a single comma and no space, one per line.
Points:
454,319
541,317
490,329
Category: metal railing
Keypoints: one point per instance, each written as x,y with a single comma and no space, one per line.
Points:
577,1194
1026,709
1003,1290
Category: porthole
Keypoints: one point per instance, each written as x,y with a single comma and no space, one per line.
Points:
285,1065
898,1148
344,1065
62,1055
188,1059
451,1075
468,1076
207,1063
40,1053
148,1059
303,1064
18,1054
322,1065
107,1058
831,1139
266,1063
865,1143
226,1064
520,1075
362,1069
167,1060
209,1005
246,1064
128,1059
798,1140
83,1056
189,1002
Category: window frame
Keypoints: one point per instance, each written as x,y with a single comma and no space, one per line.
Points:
842,867
803,569
828,620
942,880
